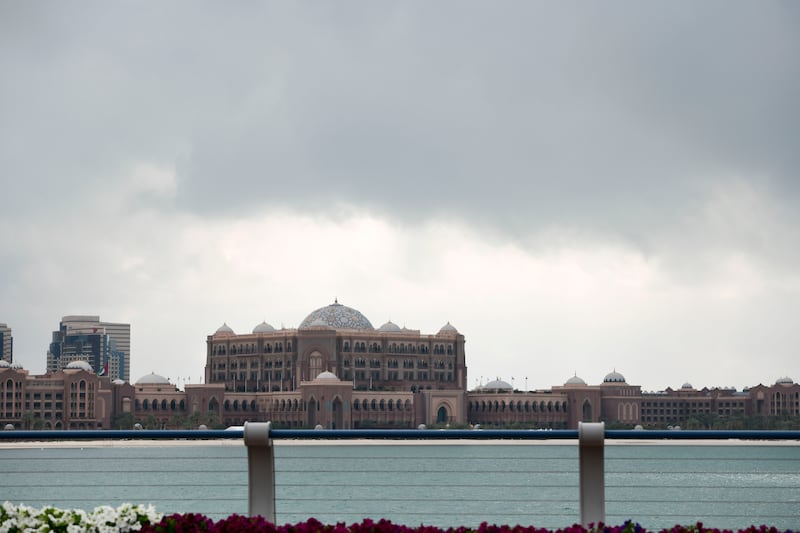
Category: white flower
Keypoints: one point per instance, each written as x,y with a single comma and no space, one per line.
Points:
103,519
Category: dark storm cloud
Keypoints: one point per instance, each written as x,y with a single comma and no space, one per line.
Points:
606,116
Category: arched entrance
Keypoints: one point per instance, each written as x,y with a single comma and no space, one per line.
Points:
338,414
213,406
312,412
586,411
441,415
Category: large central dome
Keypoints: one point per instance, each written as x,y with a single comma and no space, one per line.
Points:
337,316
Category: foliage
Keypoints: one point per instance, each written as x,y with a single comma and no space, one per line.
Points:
127,518
104,519
123,421
737,421
257,524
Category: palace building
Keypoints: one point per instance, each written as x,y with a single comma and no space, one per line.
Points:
336,371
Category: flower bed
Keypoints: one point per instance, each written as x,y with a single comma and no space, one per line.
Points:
127,517
104,519
179,523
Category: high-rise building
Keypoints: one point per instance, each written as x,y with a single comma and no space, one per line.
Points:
6,344
87,338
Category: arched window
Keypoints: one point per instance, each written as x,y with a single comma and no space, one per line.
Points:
586,411
315,364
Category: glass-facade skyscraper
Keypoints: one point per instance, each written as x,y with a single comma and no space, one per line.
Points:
104,345
6,344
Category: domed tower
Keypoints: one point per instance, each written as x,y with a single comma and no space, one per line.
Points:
320,337
621,402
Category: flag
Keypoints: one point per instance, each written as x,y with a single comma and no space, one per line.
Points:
104,371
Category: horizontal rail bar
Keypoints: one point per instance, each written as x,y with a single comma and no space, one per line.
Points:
121,434
394,434
701,434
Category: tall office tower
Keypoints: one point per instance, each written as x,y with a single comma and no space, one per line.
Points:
6,344
87,338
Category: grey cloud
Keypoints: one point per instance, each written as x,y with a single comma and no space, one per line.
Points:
593,116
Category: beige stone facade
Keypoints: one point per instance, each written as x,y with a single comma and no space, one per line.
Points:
336,371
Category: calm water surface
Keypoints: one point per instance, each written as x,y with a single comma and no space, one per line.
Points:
726,486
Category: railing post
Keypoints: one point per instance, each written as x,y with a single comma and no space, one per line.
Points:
260,470
592,472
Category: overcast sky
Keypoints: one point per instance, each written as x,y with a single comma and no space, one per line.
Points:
577,187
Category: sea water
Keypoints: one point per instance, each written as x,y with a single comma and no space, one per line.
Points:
727,485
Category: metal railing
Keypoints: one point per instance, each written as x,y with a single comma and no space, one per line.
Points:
595,477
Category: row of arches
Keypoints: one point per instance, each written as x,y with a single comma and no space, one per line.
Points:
244,405
360,362
249,348
382,405
160,405
358,405
377,347
527,406
785,403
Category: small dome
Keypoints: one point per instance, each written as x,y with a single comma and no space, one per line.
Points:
118,382
687,386
153,379
224,329
337,316
498,385
390,327
4,364
784,381
263,328
79,365
614,377
326,376
448,328
18,366
575,380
